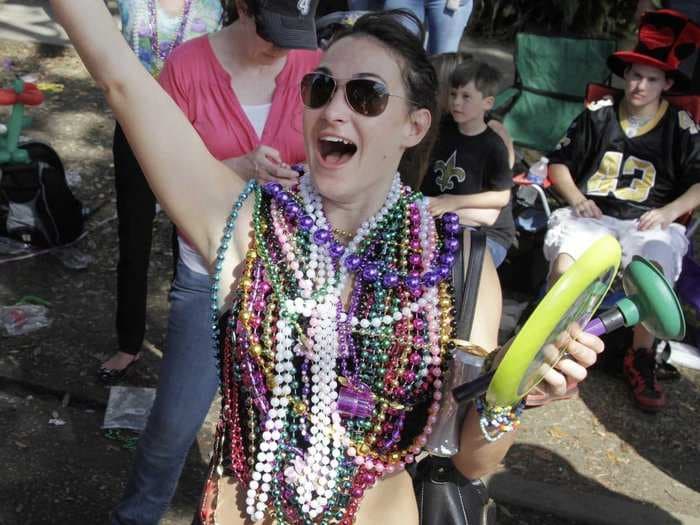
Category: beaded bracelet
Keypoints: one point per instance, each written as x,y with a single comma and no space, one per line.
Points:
496,421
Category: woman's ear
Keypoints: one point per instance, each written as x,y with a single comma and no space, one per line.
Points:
419,125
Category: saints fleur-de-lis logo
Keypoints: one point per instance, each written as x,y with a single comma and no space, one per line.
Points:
447,171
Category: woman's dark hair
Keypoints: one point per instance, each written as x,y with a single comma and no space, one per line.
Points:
228,13
403,34
231,11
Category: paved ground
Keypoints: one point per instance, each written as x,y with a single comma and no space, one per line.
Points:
591,460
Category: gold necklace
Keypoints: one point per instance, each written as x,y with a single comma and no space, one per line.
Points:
343,235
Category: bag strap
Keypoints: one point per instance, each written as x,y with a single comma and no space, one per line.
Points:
467,285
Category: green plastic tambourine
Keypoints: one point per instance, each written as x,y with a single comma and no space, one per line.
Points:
537,347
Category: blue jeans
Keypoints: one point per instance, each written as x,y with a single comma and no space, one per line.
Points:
444,27
498,251
187,385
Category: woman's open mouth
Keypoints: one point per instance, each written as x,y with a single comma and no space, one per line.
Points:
336,151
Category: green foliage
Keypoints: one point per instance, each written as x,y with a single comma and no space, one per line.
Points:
502,19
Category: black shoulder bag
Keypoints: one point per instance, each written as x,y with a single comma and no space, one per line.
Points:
36,205
444,496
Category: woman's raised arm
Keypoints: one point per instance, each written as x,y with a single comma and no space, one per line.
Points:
194,188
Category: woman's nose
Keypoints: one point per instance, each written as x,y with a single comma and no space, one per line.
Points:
337,107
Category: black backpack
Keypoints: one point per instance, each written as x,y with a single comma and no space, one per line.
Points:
36,205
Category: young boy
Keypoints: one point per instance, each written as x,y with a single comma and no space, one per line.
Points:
469,171
630,167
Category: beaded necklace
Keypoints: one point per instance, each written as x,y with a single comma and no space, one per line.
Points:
146,28
163,52
316,397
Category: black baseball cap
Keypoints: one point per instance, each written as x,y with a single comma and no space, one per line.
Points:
288,24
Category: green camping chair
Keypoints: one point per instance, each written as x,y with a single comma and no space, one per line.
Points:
551,74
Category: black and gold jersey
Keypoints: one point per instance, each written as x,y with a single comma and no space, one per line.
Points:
628,167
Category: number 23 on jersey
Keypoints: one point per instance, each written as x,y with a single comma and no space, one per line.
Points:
612,172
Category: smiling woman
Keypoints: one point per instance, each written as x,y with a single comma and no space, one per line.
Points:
331,354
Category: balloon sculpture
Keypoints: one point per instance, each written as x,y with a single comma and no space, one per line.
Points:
21,94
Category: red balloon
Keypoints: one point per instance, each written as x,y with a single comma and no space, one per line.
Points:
31,96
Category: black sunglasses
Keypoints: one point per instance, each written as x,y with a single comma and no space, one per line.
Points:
365,96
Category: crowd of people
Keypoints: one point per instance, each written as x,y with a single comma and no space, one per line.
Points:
306,251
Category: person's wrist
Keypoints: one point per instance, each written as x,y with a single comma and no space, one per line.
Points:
497,421
251,166
671,211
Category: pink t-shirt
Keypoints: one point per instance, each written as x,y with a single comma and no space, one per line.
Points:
198,83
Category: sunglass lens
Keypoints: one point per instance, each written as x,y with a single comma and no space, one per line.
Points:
316,90
367,97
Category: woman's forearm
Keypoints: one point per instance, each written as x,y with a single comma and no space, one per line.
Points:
99,43
169,151
478,457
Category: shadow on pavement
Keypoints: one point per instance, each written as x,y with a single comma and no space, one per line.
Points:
582,500
70,472
668,439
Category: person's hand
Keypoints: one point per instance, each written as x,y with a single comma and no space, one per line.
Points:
265,164
442,204
587,208
582,350
661,217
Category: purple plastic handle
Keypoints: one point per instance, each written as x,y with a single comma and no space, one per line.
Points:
595,327
355,401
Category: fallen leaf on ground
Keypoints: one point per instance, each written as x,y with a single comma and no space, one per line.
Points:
614,458
557,432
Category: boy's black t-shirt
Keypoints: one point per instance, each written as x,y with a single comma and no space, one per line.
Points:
463,165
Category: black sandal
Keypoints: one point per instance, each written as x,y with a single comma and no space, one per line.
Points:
109,376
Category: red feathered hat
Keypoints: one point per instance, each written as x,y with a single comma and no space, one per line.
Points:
668,40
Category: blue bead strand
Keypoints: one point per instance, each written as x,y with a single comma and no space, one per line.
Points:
220,256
